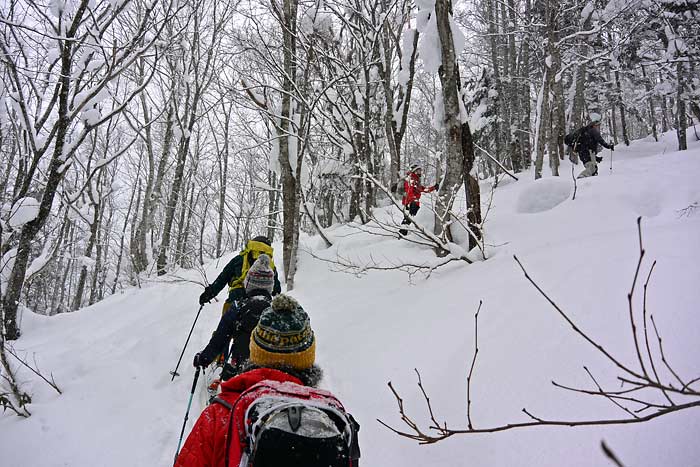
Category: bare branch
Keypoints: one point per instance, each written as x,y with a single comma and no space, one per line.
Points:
471,368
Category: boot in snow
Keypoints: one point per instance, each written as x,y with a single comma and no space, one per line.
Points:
591,170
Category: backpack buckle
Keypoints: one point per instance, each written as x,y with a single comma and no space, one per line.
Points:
294,417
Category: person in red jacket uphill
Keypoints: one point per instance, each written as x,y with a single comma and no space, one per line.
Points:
412,192
244,427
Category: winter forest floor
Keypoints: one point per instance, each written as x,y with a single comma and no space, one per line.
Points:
111,360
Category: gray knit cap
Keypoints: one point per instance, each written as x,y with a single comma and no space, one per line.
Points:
260,275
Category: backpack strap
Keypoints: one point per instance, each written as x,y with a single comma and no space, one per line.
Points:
230,407
354,444
219,400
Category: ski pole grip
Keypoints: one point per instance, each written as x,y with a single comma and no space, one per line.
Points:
194,383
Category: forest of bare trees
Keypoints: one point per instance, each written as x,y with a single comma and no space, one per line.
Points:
138,136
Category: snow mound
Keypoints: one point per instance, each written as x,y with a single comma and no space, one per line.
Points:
647,201
543,195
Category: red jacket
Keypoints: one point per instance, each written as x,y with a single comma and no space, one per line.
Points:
206,442
414,189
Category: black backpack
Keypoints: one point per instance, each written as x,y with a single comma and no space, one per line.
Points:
249,313
572,139
285,424
399,188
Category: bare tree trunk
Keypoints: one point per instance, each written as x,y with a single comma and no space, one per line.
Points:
492,17
526,105
223,171
94,226
471,188
172,205
393,129
623,118
138,248
613,121
557,113
681,117
515,149
55,175
450,83
543,117
290,189
97,271
201,80
652,110
121,241
273,205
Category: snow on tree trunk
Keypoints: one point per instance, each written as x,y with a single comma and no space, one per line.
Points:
541,123
450,83
621,103
290,188
681,117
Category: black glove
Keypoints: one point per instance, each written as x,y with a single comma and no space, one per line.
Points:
612,147
206,296
200,360
598,159
436,186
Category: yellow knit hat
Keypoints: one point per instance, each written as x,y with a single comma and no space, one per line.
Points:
283,336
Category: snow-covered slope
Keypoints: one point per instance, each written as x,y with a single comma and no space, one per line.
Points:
112,360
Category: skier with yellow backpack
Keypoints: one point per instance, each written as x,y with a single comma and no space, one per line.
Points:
234,275
235,271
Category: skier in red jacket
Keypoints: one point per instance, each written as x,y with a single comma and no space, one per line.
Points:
412,192
282,350
206,444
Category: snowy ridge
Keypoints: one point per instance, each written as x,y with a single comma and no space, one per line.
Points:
112,359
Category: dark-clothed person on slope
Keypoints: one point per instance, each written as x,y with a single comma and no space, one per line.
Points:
238,323
272,414
235,271
585,142
413,189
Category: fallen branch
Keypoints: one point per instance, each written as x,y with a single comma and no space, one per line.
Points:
36,371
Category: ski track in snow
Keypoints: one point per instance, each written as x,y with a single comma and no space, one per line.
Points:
112,360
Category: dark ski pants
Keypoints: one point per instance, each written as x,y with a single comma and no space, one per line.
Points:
410,210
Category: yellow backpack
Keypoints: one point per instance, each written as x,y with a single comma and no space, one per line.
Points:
251,252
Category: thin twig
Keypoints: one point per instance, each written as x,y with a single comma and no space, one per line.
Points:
630,295
471,368
610,455
36,371
573,325
611,399
646,333
427,400
663,355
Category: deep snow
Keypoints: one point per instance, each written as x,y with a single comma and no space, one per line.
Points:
112,359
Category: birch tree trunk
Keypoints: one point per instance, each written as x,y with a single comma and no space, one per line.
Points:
542,122
290,188
139,249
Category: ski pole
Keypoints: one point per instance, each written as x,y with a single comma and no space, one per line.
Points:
611,158
174,372
189,404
